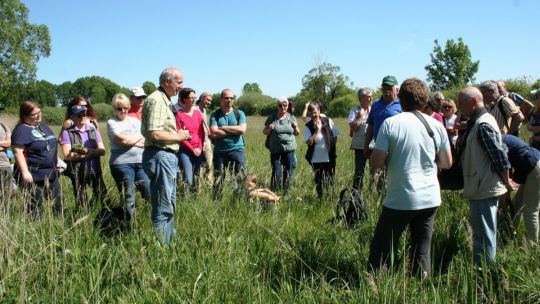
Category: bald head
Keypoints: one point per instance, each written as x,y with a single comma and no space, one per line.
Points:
470,99
501,86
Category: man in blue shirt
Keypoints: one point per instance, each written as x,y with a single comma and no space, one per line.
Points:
227,126
386,106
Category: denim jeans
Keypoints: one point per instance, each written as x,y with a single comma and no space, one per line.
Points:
283,165
483,220
389,228
127,177
38,190
190,165
359,168
228,161
160,167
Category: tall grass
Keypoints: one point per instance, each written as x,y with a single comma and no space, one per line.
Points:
238,251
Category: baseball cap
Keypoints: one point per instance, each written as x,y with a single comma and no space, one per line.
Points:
137,92
389,81
76,109
535,92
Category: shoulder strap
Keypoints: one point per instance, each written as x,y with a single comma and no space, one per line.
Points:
428,129
501,109
237,115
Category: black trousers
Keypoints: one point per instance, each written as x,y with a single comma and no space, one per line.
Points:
324,176
391,224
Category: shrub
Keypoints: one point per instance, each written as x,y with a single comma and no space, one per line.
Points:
103,111
253,103
53,116
340,106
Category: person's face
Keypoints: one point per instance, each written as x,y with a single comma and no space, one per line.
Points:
190,100
447,110
282,107
489,95
365,100
79,118
137,100
467,107
315,113
121,111
227,100
206,101
502,87
34,118
173,86
389,93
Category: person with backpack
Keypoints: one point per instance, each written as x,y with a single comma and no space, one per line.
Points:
82,147
227,126
281,130
506,113
413,145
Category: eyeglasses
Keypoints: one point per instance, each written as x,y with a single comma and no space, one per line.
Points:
228,98
120,109
35,114
81,115
283,105
139,97
447,107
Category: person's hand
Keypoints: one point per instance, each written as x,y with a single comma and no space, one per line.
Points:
272,126
197,152
27,177
183,134
462,125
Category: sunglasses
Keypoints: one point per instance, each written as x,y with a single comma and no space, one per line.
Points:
447,107
120,109
81,115
283,105
228,98
139,97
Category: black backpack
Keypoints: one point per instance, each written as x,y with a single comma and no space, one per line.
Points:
111,221
351,208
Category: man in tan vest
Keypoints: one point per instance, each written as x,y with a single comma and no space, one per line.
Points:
485,172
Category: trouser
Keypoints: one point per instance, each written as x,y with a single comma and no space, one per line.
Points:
234,161
190,166
283,165
127,178
389,228
527,202
359,168
96,183
483,220
6,188
160,167
324,176
36,192
207,165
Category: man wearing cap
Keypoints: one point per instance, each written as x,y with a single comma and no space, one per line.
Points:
162,142
504,110
137,101
205,100
386,106
227,125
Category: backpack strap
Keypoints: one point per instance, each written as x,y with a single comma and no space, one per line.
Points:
503,113
428,129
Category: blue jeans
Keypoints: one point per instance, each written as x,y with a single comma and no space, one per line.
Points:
283,165
483,220
127,177
160,167
190,165
359,168
228,161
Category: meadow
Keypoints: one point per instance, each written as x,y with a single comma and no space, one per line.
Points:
241,251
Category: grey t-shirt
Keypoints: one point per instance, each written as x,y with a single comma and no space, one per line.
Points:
4,131
282,138
120,154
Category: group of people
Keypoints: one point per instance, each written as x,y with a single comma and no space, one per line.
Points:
407,133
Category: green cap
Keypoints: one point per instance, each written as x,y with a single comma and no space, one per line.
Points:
389,81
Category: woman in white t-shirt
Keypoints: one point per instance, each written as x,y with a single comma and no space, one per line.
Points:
320,134
127,146
449,119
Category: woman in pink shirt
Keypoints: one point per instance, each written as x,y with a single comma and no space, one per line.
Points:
429,109
189,118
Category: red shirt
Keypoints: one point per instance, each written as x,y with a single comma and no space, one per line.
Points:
194,124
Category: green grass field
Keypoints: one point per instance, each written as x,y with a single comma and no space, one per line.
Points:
238,251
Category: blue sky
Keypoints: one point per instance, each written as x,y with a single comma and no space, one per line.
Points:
224,44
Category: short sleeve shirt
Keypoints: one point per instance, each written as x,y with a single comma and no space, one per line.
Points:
40,149
119,154
229,142
412,171
357,141
86,142
282,137
509,108
381,111
158,115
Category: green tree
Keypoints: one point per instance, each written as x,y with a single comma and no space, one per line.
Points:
64,92
452,66
251,88
22,44
324,83
43,92
149,87
103,89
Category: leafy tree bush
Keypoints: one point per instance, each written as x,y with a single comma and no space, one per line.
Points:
340,106
103,111
53,116
148,87
252,103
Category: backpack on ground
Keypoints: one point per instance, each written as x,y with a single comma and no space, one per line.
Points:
111,221
351,208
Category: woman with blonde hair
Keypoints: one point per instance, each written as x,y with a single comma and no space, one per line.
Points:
127,146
